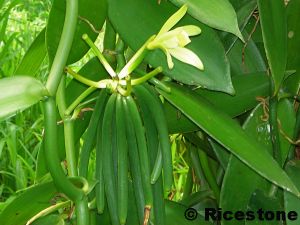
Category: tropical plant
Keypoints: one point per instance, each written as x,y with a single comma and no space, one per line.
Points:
187,106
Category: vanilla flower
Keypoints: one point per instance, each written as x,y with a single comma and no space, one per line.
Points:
173,42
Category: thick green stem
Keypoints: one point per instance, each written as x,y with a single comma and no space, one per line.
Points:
51,154
82,211
70,147
295,135
68,129
208,174
64,47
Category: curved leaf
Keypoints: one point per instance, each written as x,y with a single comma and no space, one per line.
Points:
90,13
291,202
247,88
274,30
214,13
28,204
18,93
34,56
292,83
227,131
145,23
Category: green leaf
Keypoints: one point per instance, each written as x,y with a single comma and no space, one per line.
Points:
274,29
248,60
247,88
226,131
175,215
244,10
292,83
49,220
145,23
291,202
238,176
18,93
34,57
90,12
259,200
28,204
214,13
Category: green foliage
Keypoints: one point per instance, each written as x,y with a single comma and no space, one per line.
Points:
160,139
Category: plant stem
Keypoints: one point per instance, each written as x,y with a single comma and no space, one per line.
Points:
80,78
70,146
208,174
64,47
147,76
79,99
68,129
135,60
101,57
51,154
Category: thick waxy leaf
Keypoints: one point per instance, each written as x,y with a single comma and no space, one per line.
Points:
226,131
34,57
50,220
145,23
274,29
291,202
293,17
238,176
91,14
214,13
260,201
248,60
18,93
244,10
28,204
247,89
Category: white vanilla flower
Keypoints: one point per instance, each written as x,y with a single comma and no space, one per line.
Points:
173,42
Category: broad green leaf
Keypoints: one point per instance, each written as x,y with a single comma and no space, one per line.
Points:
50,220
214,13
247,88
28,204
260,200
273,22
145,23
91,13
244,10
238,176
175,215
248,60
34,57
292,83
226,131
291,202
18,93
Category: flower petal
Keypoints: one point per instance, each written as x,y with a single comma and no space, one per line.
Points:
173,20
169,57
191,30
187,56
